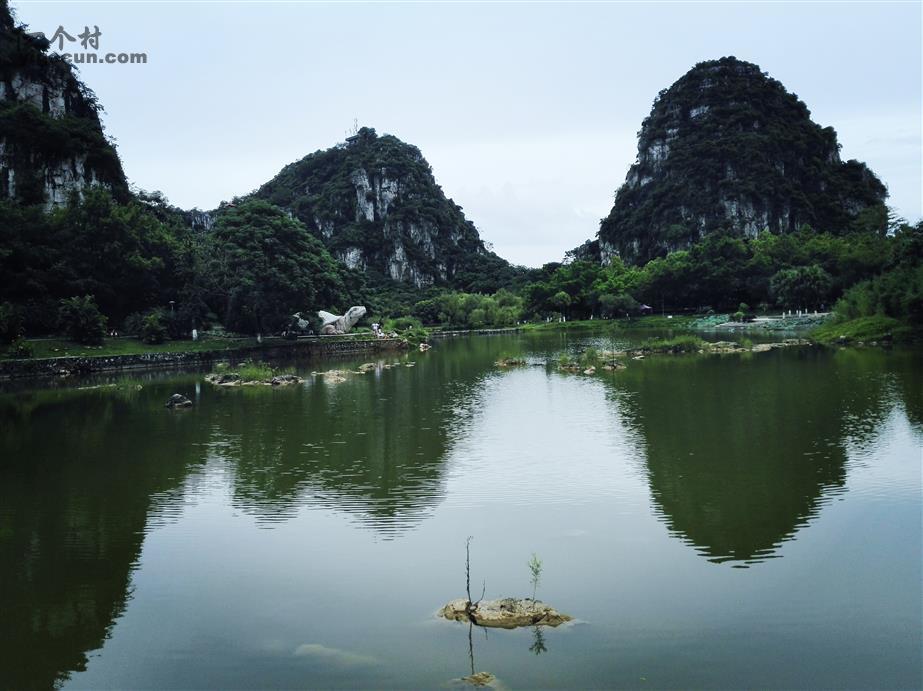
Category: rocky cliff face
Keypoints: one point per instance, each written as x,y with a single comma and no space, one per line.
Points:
727,147
375,203
51,140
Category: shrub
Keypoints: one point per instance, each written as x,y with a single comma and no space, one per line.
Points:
402,323
677,344
10,322
153,327
589,356
416,336
254,371
897,293
20,348
80,319
132,324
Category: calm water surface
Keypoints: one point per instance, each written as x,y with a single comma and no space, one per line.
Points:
716,521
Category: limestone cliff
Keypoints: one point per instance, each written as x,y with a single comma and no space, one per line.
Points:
51,139
374,202
727,147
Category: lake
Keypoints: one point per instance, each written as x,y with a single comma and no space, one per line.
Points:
713,521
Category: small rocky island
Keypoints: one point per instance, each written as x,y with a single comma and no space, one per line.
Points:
506,613
235,379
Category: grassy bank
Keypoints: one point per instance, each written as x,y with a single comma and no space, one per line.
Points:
867,330
648,322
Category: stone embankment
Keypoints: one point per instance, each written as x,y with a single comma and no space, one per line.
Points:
321,347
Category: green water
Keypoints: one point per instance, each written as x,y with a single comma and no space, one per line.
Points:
710,521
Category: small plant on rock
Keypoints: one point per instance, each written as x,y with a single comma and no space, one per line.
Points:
471,606
535,569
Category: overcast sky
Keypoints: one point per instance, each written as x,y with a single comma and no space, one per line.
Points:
527,112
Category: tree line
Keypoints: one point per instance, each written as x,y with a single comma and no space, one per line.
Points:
137,267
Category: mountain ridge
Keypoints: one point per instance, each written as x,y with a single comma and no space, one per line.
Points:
375,203
726,147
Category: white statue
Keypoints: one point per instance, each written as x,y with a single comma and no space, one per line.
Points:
332,324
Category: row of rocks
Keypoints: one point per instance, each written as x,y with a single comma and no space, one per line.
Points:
733,347
234,379
335,376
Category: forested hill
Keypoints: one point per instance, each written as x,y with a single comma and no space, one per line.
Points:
51,139
727,148
375,204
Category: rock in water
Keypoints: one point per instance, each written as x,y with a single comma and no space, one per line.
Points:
285,380
507,613
224,379
177,400
479,679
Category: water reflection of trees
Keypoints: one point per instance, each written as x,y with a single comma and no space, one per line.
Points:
373,446
74,503
85,474
742,454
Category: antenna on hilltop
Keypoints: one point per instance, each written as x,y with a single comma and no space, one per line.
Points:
354,130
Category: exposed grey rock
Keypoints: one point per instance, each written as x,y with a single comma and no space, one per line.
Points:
285,380
334,376
224,379
479,679
298,326
507,613
375,203
177,400
33,80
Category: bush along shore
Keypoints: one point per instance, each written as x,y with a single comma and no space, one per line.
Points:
592,360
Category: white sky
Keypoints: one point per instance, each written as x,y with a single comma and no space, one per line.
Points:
527,112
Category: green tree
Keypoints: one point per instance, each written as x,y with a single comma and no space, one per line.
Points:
803,287
561,301
81,320
10,322
120,253
154,327
263,266
617,305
